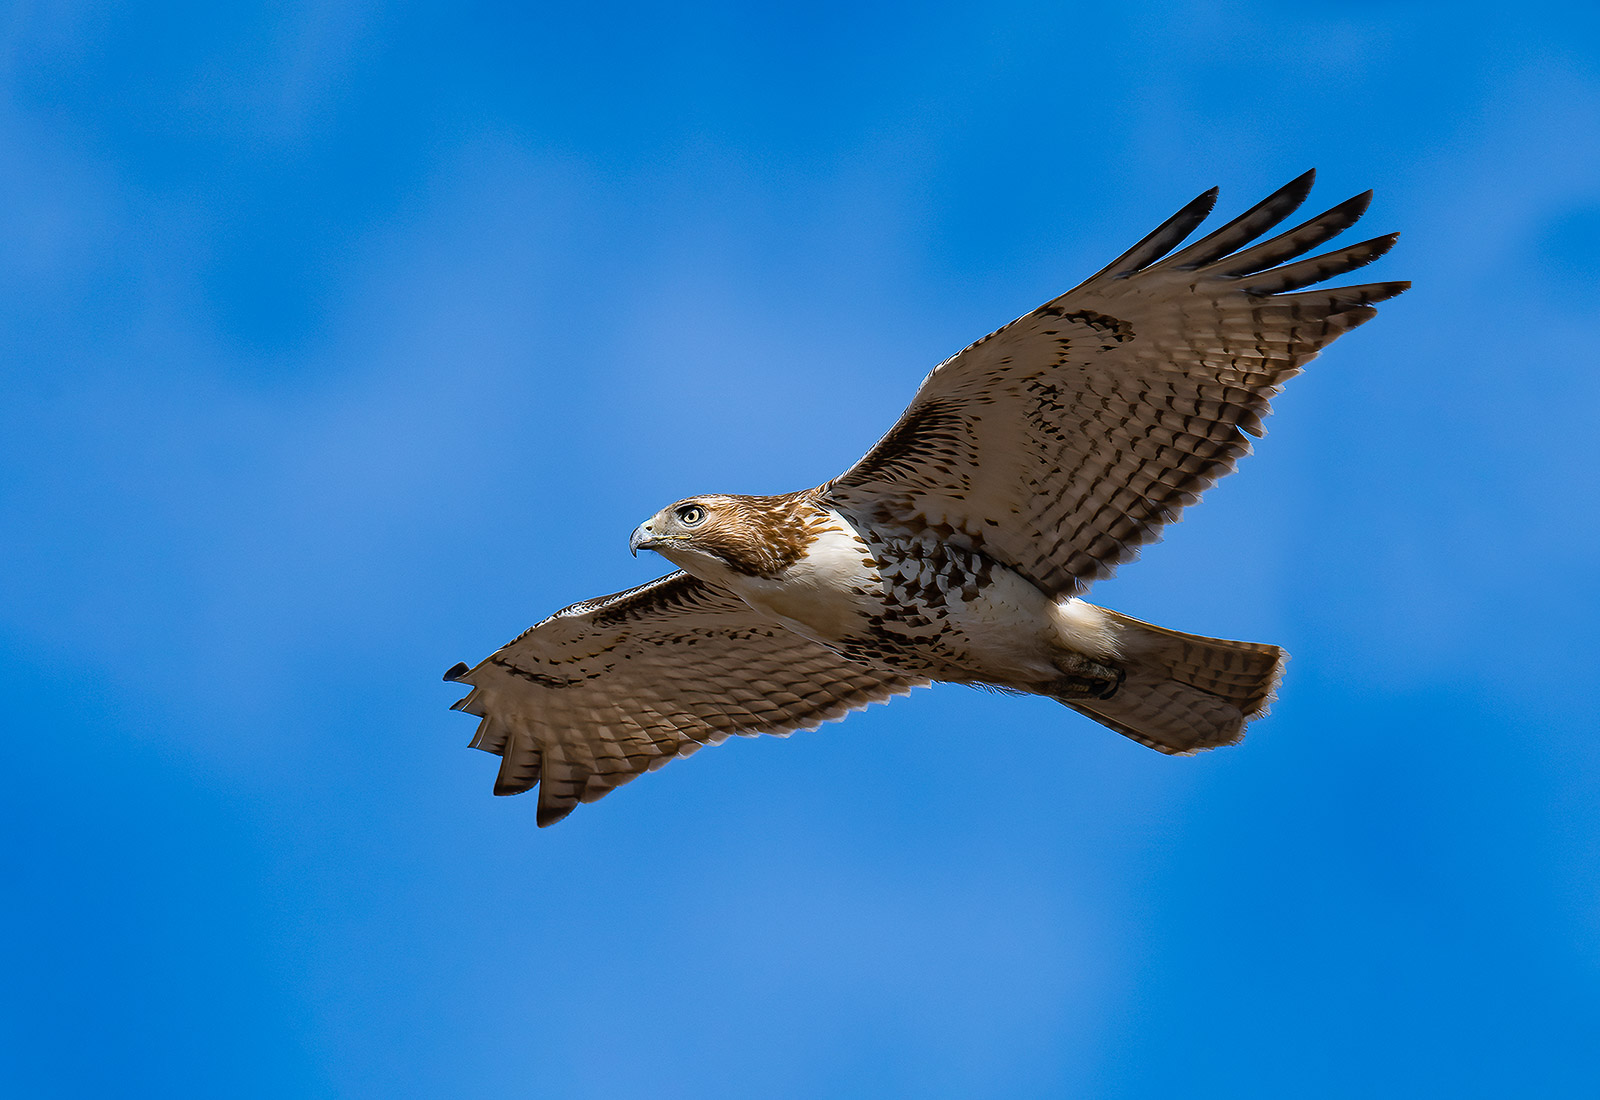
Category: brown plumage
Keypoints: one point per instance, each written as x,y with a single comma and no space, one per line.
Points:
1027,466
761,536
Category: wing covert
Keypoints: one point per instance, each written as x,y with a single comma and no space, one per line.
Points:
1066,440
605,690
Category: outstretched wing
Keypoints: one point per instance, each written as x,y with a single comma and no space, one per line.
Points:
607,689
1066,440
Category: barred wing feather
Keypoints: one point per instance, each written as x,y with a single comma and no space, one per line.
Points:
605,690
1067,439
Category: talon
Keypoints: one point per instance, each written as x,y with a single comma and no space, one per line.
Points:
1108,688
1087,678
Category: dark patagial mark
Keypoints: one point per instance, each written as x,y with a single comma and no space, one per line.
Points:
1114,328
547,681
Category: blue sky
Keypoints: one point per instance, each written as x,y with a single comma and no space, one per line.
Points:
340,342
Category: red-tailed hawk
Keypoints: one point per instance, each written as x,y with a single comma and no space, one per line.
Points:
1027,467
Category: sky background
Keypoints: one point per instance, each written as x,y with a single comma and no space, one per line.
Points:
340,342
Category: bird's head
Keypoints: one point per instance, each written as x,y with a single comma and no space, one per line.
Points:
710,536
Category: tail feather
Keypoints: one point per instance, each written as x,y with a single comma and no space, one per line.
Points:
1182,693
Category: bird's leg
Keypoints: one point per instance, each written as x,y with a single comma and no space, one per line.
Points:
1085,678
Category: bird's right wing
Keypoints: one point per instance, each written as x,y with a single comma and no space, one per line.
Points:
1066,440
607,689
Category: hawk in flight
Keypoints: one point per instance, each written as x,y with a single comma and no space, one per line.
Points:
1026,468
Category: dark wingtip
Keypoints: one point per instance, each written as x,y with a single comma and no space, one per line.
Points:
1382,244
453,674
1196,211
547,816
1299,189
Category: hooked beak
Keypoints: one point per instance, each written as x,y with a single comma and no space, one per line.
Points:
643,538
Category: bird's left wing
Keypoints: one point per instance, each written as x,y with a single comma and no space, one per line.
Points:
607,689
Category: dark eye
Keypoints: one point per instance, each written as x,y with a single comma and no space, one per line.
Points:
692,516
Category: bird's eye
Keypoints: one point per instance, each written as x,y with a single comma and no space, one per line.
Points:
692,516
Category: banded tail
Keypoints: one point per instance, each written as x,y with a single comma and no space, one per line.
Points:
1181,693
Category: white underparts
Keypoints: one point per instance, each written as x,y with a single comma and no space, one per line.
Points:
824,595
1005,631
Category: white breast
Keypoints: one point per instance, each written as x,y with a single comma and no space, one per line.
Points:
828,593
